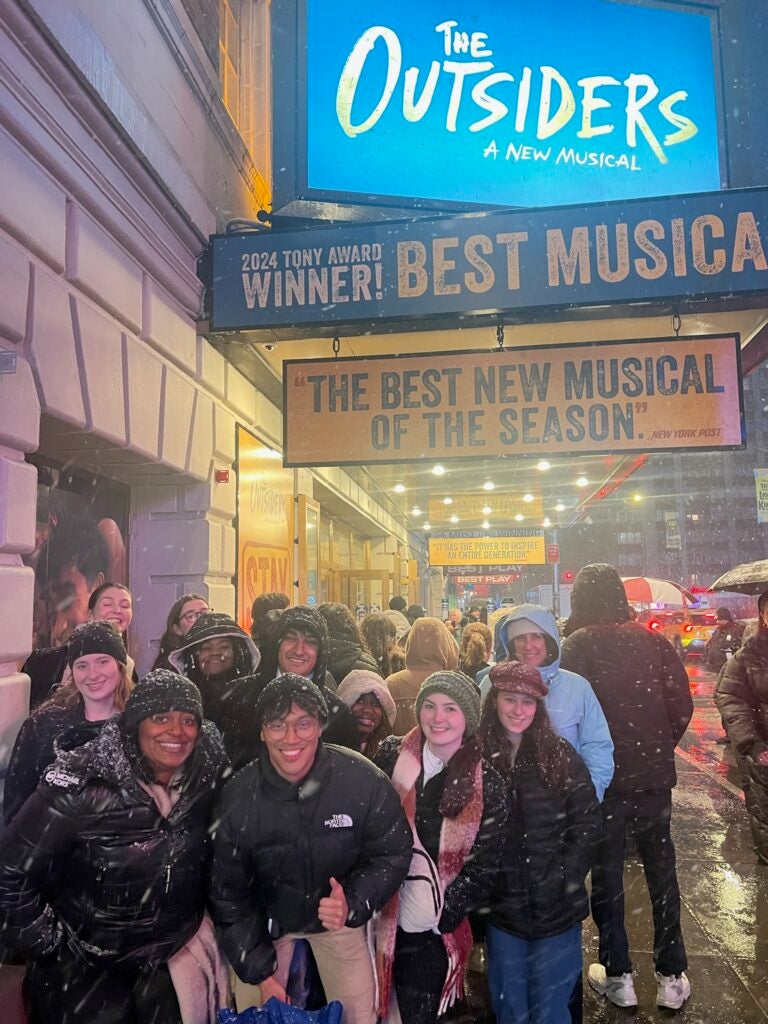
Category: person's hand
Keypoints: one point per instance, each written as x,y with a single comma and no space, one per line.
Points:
762,757
333,910
272,987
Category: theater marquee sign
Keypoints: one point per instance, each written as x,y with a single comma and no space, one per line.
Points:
625,396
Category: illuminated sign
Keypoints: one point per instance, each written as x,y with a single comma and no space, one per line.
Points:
478,266
487,579
477,506
264,524
507,104
523,548
623,396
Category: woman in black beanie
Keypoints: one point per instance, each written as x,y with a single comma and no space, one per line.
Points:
96,687
102,871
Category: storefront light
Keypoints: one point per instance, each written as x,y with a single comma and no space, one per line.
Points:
438,470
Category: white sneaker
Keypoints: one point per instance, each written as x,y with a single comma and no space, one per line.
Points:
619,990
672,991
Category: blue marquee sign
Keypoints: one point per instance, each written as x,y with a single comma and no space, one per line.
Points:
504,104
477,267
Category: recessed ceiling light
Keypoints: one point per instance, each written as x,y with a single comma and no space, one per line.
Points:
637,497
438,470
559,507
489,485
543,465
486,525
416,511
487,510
547,522
582,482
519,517
454,519
528,498
399,488
447,501
427,526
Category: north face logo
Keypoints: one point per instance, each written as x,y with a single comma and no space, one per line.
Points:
338,821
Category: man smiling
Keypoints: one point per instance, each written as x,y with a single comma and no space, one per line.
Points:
312,841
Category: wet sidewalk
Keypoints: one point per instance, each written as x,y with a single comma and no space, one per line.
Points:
724,892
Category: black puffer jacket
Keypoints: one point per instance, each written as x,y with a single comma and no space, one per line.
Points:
345,656
644,692
46,733
279,843
551,837
90,860
742,696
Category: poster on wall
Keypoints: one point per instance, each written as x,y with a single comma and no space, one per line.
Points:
264,524
81,538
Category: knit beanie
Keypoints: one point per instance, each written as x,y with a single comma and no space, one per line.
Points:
517,627
161,690
277,697
512,677
459,688
96,638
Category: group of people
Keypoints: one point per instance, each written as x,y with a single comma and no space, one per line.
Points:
382,796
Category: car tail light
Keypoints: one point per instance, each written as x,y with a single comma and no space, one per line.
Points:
653,624
688,628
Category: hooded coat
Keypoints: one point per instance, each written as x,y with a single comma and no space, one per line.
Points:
573,708
91,861
638,678
346,655
429,648
342,727
229,701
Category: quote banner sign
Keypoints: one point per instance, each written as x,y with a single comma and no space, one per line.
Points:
480,266
475,506
628,396
507,104
518,547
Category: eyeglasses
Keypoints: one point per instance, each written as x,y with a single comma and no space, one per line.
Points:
192,616
303,728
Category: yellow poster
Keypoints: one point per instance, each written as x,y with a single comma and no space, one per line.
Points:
627,396
513,550
475,506
264,524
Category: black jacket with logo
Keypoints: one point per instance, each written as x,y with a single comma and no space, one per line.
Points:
279,844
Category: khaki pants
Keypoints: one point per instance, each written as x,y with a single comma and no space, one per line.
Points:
345,967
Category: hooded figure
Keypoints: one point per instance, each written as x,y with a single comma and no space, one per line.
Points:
643,689
346,651
298,643
430,648
573,709
221,659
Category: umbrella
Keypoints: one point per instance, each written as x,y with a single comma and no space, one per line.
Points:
748,578
647,590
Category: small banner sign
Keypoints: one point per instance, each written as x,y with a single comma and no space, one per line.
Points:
628,396
519,547
476,506
499,579
761,486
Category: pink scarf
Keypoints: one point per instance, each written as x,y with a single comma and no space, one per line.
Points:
457,837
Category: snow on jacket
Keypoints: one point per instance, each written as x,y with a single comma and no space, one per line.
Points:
89,859
551,837
429,648
644,692
279,843
345,656
742,696
573,708
42,736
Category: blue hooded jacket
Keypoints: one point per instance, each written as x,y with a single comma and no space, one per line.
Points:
573,708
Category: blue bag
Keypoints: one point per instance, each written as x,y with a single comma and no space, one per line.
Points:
275,1012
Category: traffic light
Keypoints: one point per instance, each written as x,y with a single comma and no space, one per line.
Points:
567,576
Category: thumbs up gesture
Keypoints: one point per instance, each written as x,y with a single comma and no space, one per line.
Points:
333,910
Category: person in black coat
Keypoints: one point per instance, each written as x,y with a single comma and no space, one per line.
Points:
540,900
102,871
346,648
311,842
96,687
298,643
741,697
643,689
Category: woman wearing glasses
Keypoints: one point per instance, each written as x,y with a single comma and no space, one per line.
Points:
183,615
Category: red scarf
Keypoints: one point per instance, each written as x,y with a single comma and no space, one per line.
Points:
457,837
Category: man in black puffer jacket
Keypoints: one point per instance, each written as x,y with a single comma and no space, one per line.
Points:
312,841
643,690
